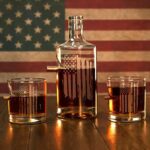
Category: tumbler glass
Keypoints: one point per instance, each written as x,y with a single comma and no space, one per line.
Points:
27,103
127,98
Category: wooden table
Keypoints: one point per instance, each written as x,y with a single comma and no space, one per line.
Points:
56,134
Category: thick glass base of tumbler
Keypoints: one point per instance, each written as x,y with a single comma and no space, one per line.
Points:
26,120
76,113
130,117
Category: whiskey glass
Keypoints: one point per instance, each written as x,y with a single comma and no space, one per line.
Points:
27,102
127,98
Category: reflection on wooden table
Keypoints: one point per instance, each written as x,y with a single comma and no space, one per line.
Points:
58,134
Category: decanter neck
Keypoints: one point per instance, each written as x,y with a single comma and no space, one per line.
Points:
75,26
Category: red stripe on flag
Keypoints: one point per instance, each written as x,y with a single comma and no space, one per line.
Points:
102,88
51,88
101,66
25,66
107,4
123,66
122,45
115,25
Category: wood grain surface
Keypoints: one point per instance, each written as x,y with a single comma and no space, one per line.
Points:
56,134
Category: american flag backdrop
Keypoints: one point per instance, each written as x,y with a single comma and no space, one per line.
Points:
30,30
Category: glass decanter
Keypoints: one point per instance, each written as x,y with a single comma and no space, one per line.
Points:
76,76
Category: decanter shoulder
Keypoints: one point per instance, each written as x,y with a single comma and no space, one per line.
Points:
77,45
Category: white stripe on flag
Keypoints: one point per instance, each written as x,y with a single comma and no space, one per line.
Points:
123,56
120,35
51,56
102,76
27,56
51,77
111,14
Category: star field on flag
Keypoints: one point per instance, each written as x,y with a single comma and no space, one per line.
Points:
31,25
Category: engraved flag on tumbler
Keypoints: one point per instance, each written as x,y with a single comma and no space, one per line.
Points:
127,98
27,103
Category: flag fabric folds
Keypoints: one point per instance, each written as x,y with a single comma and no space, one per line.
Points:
30,30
